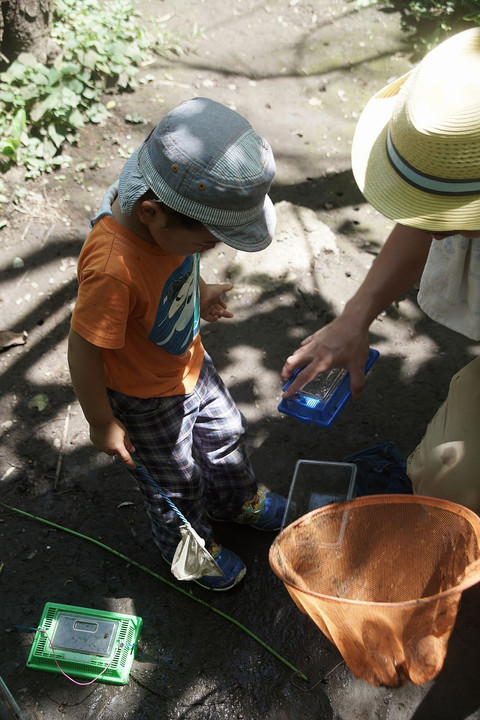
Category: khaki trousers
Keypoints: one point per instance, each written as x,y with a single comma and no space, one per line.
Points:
446,463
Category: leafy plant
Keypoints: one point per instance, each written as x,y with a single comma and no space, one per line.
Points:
430,21
43,106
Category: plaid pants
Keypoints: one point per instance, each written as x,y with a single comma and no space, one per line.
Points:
193,446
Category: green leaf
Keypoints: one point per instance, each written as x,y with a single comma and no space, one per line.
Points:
29,92
49,149
15,71
8,97
18,124
53,76
134,119
68,97
40,108
90,59
74,86
40,76
97,113
9,147
70,68
27,60
91,93
76,119
56,137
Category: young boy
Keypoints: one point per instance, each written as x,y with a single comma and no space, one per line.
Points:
138,366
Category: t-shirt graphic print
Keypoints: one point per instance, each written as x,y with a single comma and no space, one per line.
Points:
178,314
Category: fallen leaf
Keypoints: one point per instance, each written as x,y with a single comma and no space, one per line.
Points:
40,402
9,338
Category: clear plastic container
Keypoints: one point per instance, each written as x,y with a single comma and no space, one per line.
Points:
315,484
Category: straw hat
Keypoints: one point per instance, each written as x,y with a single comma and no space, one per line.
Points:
416,149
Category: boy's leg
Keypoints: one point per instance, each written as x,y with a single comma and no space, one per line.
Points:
446,462
219,439
161,430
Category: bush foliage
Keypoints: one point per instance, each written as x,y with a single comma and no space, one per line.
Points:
431,21
42,106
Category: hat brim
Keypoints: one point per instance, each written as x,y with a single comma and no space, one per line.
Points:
386,190
250,237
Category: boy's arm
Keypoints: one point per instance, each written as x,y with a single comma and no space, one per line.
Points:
343,343
88,378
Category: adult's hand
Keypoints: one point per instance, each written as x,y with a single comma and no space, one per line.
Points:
341,344
344,342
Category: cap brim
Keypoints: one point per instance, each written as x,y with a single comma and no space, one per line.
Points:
387,191
250,237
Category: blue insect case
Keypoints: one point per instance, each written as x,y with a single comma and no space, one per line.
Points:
320,401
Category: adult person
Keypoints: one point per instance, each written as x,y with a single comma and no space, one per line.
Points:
416,158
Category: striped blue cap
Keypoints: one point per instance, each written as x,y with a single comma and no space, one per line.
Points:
206,161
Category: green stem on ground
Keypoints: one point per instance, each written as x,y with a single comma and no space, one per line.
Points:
162,579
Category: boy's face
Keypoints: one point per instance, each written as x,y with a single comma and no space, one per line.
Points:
172,235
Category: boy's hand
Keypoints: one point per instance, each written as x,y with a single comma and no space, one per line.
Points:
112,438
212,307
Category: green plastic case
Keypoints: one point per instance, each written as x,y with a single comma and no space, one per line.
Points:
85,642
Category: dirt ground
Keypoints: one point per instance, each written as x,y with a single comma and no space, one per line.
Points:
301,72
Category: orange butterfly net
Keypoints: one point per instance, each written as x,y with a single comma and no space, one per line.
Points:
382,577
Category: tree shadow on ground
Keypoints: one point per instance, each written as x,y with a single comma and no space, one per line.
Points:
183,650
333,191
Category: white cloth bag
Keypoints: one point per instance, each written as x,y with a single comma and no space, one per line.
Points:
191,559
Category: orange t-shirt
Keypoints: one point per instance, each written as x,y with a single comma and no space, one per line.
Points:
141,306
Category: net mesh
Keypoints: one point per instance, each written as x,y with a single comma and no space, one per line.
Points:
382,577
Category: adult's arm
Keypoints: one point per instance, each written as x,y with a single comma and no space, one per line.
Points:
343,343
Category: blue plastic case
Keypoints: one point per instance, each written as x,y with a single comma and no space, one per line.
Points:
320,401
